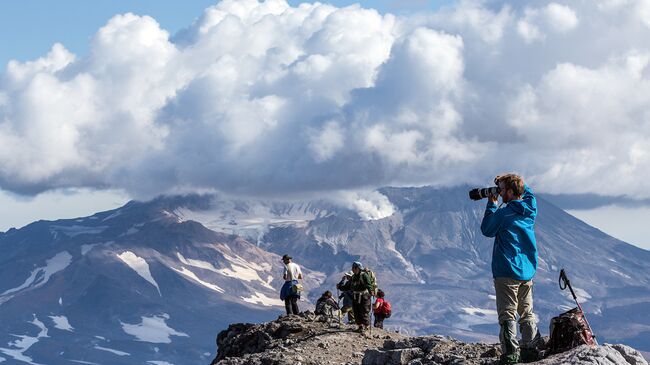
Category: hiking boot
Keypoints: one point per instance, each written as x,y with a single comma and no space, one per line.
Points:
529,354
508,359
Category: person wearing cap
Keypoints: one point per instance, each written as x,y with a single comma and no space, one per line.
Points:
347,296
291,275
360,285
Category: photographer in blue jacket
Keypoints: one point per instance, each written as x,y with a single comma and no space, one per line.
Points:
514,262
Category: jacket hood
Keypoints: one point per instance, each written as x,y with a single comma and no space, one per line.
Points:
521,207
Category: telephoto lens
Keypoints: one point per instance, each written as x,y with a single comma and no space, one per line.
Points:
480,193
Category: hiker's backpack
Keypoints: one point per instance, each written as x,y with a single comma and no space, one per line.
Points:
323,308
569,330
296,289
373,281
386,310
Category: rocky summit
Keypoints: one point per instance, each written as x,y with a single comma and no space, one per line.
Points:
310,339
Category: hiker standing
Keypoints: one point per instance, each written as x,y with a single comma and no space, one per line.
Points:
326,305
514,262
381,309
361,286
290,291
347,296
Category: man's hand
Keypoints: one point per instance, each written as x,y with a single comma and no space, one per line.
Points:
494,198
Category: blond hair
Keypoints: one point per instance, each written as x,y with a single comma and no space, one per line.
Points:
513,182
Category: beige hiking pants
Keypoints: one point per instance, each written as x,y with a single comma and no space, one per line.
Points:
515,297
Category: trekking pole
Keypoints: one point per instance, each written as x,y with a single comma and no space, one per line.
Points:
567,283
565,280
338,301
371,313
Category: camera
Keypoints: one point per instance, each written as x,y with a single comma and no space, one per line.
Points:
480,193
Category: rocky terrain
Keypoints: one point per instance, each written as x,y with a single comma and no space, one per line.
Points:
309,339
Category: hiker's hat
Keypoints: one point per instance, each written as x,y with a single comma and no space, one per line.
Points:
357,264
349,273
286,257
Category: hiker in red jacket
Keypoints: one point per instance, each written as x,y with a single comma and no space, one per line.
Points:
381,309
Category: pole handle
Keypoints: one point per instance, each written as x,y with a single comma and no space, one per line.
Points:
563,280
564,283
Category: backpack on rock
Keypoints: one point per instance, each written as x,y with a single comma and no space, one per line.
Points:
570,329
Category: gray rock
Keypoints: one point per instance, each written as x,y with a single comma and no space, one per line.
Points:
391,357
597,355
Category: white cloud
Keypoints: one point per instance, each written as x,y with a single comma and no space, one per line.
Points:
554,17
326,142
265,98
370,205
561,17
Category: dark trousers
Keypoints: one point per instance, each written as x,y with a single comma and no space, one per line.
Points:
361,309
291,305
379,320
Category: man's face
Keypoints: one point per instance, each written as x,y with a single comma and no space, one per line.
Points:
506,196
286,261
355,270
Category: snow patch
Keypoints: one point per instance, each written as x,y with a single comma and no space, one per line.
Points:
84,362
239,268
116,352
157,362
75,230
472,316
18,348
197,263
189,274
581,294
140,266
117,213
61,322
60,301
620,273
259,298
131,231
41,275
152,329
86,248
248,219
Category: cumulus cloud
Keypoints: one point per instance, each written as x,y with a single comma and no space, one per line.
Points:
553,17
262,98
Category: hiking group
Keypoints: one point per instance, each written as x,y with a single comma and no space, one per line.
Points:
514,263
357,289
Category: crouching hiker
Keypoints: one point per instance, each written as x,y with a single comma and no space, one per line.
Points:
361,286
291,289
381,309
326,305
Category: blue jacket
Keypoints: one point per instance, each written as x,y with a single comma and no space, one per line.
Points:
515,250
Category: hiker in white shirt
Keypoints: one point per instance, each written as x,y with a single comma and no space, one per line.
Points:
290,291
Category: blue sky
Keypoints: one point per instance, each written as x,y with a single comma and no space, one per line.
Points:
28,28
440,95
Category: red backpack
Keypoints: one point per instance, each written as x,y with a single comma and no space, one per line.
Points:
385,309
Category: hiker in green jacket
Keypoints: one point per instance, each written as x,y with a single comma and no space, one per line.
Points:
361,287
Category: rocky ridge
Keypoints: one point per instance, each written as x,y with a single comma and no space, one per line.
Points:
309,339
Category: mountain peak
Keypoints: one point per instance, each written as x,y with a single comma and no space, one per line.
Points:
310,339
